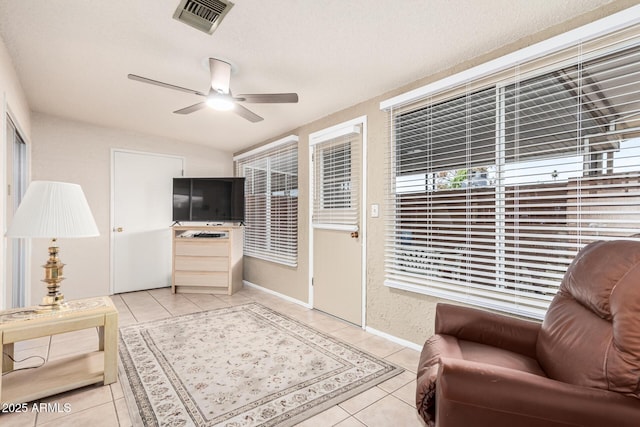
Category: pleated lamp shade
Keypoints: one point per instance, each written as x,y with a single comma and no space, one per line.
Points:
53,210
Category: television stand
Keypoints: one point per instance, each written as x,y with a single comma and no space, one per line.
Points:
207,259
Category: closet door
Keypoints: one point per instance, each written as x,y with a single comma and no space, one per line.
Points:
142,191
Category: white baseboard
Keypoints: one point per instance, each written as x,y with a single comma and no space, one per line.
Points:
390,337
394,339
278,294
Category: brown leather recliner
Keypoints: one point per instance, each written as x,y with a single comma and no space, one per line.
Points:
581,367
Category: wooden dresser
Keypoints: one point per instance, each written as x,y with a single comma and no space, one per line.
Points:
207,259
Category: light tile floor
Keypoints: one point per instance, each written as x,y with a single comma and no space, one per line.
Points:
390,404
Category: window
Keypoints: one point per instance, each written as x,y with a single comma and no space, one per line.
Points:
271,201
336,177
495,185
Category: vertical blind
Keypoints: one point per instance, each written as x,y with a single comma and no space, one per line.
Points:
271,202
495,186
18,187
336,179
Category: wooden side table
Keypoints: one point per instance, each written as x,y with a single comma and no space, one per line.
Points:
100,366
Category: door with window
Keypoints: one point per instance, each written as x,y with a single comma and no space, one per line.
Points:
337,232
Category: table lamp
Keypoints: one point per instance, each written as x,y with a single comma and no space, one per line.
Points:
53,210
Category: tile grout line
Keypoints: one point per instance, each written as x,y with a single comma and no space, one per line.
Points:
128,308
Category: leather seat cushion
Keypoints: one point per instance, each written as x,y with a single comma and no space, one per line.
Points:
441,345
496,356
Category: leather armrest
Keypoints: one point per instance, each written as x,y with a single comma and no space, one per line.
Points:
483,327
491,395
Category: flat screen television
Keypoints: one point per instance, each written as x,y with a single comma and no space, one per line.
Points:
208,199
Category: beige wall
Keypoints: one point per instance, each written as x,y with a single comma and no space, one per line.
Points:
65,150
13,102
405,315
72,151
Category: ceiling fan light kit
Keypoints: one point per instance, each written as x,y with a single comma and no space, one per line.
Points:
220,102
219,97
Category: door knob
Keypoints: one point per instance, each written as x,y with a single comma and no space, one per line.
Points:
354,235
119,229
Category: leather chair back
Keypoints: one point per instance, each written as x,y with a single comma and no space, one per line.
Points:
591,333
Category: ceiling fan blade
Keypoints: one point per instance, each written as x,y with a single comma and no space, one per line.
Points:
269,98
191,108
247,114
167,85
220,75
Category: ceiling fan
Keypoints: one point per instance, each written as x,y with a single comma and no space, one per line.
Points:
220,96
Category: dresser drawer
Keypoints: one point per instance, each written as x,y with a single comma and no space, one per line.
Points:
201,263
211,265
202,247
214,278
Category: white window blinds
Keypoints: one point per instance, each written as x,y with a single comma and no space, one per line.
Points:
336,178
495,186
271,201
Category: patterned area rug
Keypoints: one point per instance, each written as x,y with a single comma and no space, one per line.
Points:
239,366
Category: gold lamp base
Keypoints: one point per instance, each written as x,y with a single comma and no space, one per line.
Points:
52,304
54,300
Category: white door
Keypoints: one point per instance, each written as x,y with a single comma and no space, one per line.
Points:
142,212
338,234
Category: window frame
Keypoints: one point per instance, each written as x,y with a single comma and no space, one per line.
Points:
464,83
280,249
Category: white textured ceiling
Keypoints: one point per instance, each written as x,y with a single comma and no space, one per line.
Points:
73,56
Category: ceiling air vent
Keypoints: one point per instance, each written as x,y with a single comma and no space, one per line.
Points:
205,15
